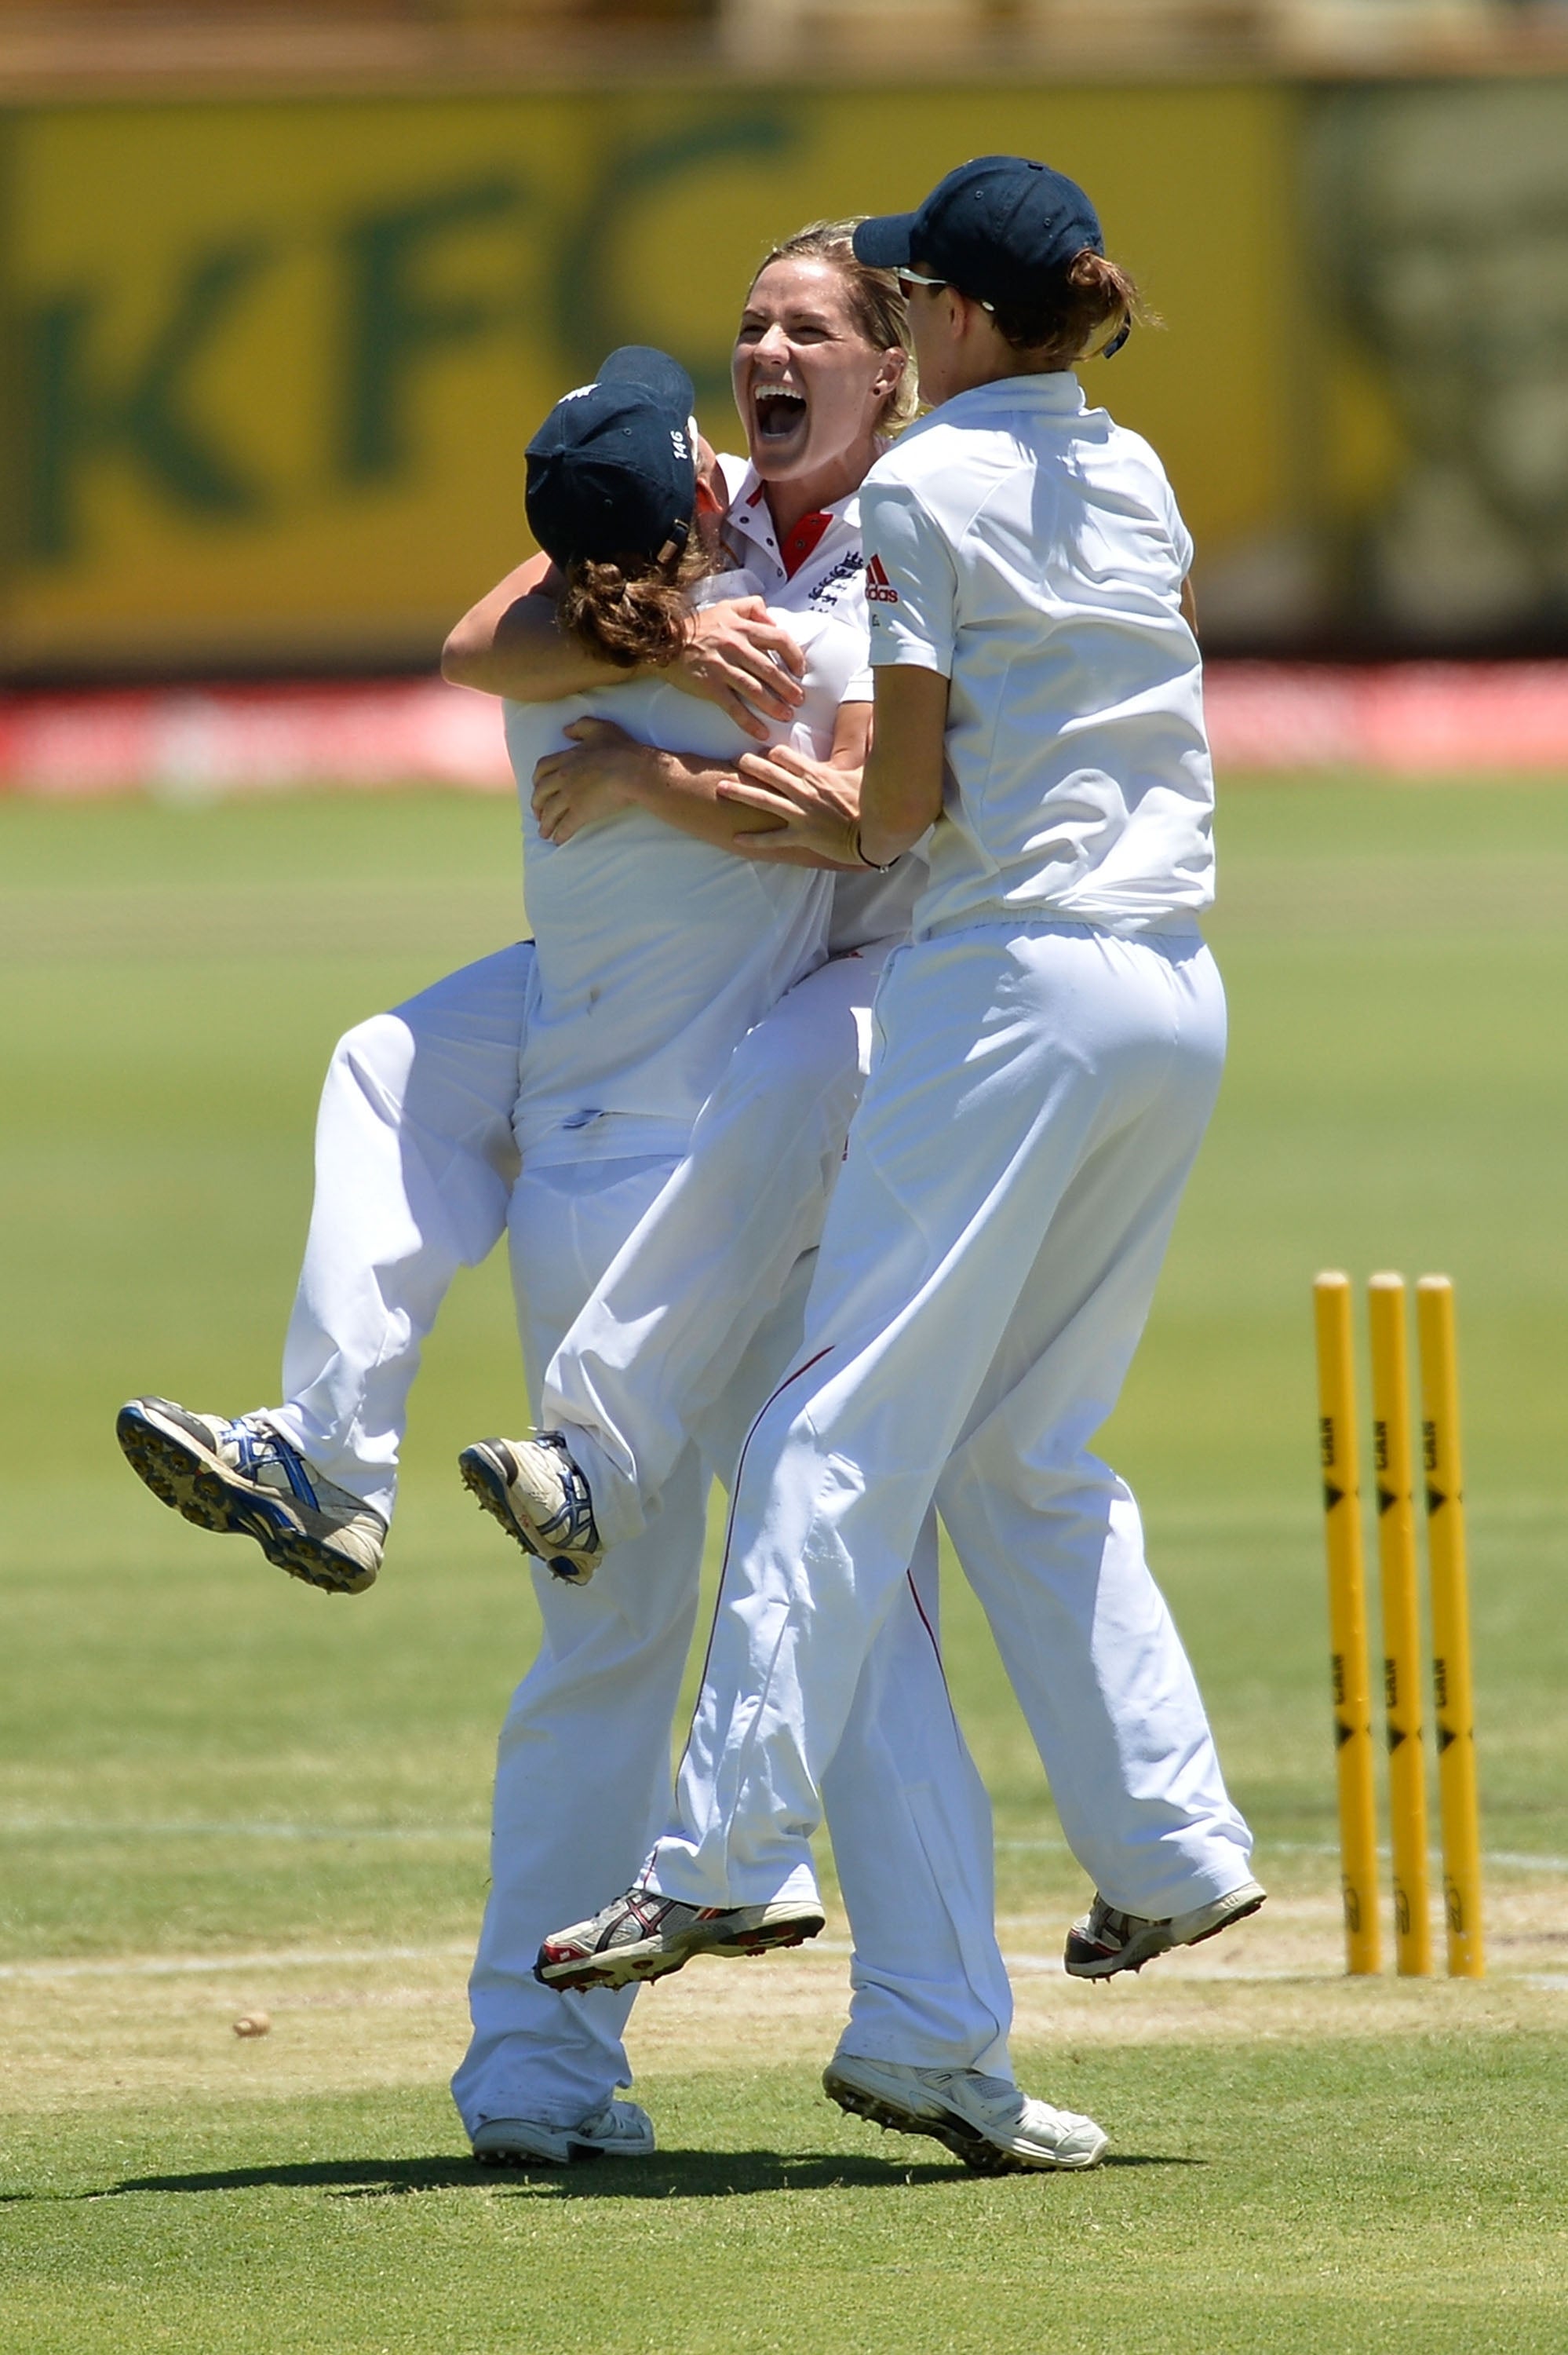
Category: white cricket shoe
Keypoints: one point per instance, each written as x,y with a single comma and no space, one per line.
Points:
245,1478
537,1493
1106,1941
989,2122
643,1935
618,2130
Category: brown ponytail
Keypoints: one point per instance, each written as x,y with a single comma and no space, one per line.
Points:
632,611
1075,315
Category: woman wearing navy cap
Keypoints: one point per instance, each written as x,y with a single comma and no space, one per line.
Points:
591,1049
1049,1047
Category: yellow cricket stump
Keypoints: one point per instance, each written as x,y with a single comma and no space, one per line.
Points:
1393,1460
1347,1621
1450,1627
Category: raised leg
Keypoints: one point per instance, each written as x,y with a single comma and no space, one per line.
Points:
415,1163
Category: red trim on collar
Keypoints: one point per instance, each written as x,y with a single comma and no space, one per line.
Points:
802,540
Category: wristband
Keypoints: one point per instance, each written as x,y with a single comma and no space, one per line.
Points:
871,863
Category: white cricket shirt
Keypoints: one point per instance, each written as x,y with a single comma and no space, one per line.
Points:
655,952
1029,549
820,570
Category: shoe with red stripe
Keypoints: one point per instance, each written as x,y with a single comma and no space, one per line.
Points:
643,1935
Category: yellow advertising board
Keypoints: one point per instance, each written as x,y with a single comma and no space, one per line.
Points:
278,360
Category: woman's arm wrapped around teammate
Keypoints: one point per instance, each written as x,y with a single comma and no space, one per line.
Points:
515,643
605,771
896,800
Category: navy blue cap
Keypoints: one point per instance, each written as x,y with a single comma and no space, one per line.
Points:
993,229
611,471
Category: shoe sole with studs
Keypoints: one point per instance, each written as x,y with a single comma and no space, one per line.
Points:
965,2140
485,1479
635,1964
202,1491
1090,1962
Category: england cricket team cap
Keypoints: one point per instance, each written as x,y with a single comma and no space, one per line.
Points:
992,228
612,470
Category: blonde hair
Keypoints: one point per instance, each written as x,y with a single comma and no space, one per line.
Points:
634,610
876,305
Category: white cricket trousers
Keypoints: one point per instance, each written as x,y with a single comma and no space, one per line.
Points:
659,1341
583,1773
416,1175
1035,1103
415,1166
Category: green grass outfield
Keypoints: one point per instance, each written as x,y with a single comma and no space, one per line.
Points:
218,1789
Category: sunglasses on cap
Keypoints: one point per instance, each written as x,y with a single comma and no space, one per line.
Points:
909,279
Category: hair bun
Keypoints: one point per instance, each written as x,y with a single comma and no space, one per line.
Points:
632,614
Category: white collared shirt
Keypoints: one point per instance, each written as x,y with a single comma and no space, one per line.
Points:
655,952
816,582
1030,550
820,571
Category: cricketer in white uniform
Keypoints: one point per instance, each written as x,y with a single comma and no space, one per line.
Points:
593,1052
659,1340
908,1815
601,1133
1048,1051
598,1039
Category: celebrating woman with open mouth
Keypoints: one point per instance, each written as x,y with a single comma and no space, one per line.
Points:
549,1092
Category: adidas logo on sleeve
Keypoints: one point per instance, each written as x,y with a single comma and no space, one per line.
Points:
879,589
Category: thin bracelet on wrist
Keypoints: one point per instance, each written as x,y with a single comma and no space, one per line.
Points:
876,866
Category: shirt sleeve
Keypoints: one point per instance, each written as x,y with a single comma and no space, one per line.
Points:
1180,538
911,585
862,687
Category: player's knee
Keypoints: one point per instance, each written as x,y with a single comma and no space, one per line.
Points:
373,1056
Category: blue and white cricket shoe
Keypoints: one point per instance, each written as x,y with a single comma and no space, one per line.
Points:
533,1488
245,1478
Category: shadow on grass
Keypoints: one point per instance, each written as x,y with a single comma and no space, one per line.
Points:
672,2175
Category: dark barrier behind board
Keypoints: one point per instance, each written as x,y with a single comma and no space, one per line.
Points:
276,361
